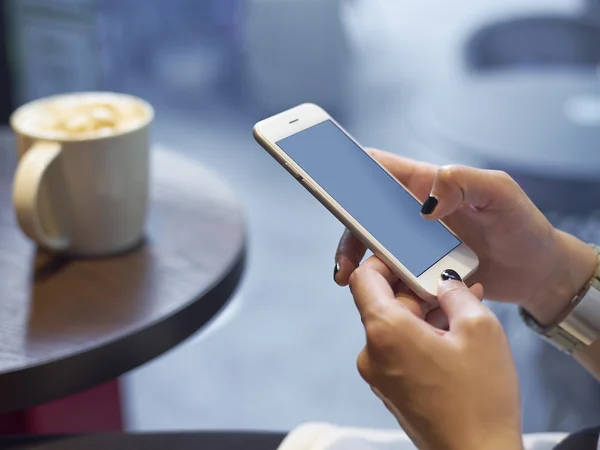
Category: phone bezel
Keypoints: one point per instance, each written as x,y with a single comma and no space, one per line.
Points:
287,123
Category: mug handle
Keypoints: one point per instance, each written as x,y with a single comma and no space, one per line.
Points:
29,178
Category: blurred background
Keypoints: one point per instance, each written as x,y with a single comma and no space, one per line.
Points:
513,85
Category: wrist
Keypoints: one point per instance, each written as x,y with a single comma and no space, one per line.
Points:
509,440
502,433
575,265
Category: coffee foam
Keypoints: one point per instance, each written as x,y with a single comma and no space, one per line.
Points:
87,115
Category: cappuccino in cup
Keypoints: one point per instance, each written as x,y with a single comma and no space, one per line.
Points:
81,185
88,115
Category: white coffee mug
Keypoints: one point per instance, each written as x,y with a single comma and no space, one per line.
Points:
82,181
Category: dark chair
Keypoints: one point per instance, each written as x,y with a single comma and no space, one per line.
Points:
583,440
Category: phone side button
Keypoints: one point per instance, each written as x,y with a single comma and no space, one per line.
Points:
305,184
290,170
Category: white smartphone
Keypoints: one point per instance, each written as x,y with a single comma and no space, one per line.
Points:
365,197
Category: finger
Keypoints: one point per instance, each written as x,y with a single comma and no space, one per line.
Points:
462,186
420,308
371,288
415,305
348,256
416,176
477,290
392,331
402,294
409,300
458,302
438,319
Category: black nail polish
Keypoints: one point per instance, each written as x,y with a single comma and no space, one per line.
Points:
450,274
429,205
336,269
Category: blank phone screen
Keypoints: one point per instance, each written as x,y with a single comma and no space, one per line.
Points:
370,195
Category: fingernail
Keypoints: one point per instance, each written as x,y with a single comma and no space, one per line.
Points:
429,205
450,274
336,269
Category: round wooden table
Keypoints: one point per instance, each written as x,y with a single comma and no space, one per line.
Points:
70,325
156,441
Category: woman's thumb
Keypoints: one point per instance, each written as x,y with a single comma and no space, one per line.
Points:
456,299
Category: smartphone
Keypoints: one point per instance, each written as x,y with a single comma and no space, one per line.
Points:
365,197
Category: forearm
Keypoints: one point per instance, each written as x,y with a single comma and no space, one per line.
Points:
575,268
512,439
575,265
509,439
589,357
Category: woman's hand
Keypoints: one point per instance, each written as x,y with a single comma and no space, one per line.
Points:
454,389
522,257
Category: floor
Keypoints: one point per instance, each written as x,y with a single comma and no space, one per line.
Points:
284,350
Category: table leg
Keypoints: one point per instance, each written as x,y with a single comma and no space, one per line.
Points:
95,410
